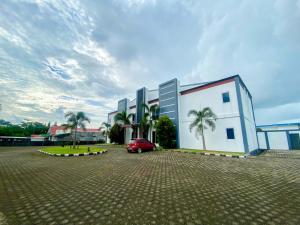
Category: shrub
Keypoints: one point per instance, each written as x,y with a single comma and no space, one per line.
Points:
116,134
166,132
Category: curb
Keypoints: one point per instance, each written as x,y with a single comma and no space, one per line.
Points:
216,154
70,155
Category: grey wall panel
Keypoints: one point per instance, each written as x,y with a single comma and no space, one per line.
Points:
167,95
140,100
169,114
168,102
122,105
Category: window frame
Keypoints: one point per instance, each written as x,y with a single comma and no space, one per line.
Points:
230,136
226,97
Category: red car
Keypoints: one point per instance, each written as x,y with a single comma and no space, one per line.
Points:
139,145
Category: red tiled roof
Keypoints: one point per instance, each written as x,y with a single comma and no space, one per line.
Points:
53,129
88,130
37,135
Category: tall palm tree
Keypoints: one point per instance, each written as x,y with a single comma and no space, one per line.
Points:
123,119
75,121
107,127
150,117
202,119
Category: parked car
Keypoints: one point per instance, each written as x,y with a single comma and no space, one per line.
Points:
139,145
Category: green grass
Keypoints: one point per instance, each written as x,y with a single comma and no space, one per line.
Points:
109,145
68,150
208,151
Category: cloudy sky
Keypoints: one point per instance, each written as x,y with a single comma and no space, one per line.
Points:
58,55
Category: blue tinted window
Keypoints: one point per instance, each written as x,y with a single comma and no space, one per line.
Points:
230,133
226,97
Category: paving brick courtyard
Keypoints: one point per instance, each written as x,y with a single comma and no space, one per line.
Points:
149,188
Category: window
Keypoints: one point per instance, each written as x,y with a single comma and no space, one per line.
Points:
230,133
226,97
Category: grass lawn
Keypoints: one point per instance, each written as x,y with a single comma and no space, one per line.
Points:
68,150
208,151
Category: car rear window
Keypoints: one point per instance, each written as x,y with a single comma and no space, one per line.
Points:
132,141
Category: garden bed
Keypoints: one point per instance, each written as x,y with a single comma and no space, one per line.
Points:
70,151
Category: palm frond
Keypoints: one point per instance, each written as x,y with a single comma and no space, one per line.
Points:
69,114
192,113
146,107
208,113
192,125
211,124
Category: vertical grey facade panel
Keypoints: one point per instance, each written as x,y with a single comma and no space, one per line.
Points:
267,140
167,91
140,100
122,105
241,111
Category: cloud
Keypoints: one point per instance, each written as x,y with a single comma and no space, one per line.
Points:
91,49
14,39
75,55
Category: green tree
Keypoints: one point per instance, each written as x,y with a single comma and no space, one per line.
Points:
202,120
5,123
106,132
166,132
124,120
25,129
75,121
116,134
149,119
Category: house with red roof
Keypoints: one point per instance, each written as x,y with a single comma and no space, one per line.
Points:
62,134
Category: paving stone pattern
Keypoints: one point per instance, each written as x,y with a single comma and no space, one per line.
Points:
150,188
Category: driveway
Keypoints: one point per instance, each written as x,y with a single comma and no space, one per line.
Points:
149,188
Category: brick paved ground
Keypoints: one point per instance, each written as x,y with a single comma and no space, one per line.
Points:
149,188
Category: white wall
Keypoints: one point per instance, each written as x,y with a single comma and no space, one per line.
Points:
262,140
249,119
227,113
278,140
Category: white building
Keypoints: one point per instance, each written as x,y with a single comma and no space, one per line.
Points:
228,98
279,136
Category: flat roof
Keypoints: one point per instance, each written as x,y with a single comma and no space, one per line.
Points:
279,125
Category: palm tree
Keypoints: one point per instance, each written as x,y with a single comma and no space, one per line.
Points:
123,119
150,117
107,126
74,121
203,118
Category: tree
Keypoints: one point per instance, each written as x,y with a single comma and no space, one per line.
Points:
116,134
150,118
5,123
25,129
124,120
75,121
202,119
166,132
106,132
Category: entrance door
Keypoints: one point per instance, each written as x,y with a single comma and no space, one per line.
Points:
153,137
295,141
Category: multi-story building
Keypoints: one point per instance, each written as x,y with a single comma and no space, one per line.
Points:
228,98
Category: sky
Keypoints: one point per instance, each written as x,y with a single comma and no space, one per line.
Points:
58,56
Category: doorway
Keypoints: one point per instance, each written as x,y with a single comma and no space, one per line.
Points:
153,137
295,141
